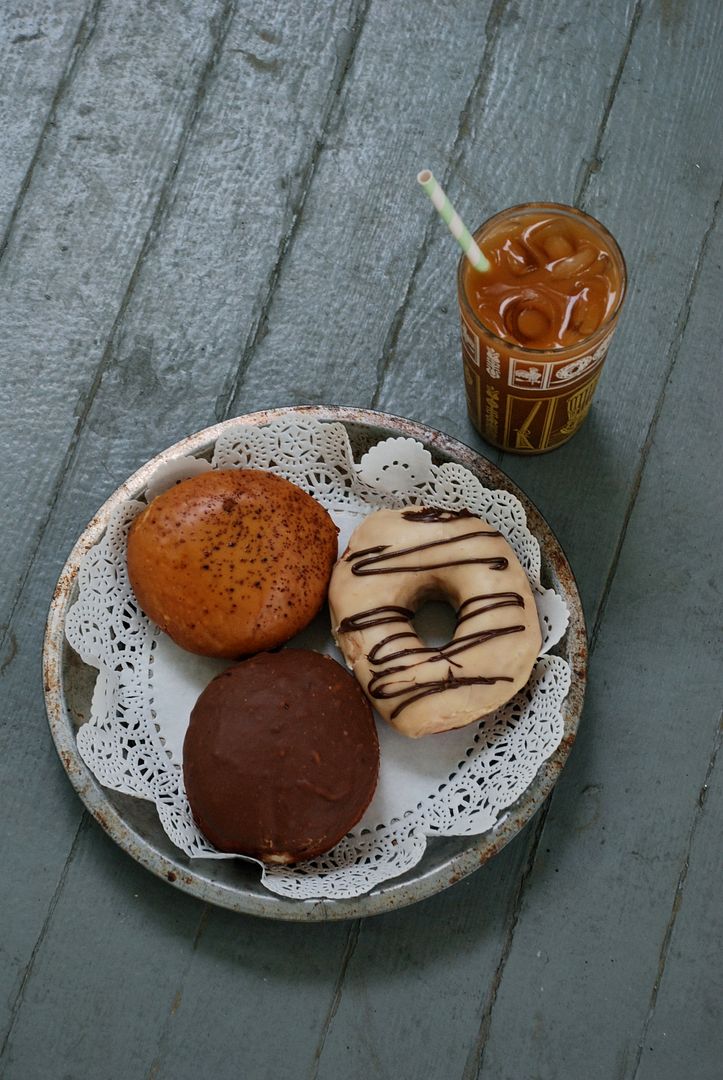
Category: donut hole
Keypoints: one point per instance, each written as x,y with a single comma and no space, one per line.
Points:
435,622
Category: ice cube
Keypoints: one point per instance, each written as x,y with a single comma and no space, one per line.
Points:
574,265
533,324
588,312
518,258
557,246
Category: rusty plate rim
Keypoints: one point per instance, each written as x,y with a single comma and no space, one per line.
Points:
431,874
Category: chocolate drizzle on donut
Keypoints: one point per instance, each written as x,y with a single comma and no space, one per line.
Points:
442,685
434,514
504,599
378,686
393,656
369,558
364,619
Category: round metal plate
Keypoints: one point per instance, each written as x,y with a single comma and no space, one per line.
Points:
133,823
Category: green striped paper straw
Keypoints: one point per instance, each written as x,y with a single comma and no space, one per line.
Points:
452,220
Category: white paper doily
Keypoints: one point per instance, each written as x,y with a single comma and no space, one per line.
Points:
457,783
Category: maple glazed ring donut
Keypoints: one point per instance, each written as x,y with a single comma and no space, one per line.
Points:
395,561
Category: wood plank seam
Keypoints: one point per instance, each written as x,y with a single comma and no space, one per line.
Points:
602,604
165,1031
474,1062
160,209
594,162
477,97
677,339
162,204
20,995
473,1065
349,949
541,822
678,895
537,836
330,116
83,37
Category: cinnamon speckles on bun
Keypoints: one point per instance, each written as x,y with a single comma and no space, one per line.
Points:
232,561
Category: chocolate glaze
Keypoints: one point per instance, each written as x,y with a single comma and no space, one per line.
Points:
504,599
377,686
369,557
281,756
434,514
440,686
442,652
364,619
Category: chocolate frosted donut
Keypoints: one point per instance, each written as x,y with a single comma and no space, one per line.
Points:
281,756
232,561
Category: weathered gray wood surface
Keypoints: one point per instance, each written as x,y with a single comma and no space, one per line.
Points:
39,49
210,208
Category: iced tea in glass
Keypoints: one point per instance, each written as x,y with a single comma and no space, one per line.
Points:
537,325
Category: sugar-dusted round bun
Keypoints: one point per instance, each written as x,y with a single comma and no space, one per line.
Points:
281,756
231,562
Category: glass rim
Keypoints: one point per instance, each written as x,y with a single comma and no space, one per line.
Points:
554,354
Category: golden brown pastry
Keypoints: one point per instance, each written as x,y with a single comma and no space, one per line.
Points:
231,562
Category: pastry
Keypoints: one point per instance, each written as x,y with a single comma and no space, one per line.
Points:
232,562
397,559
281,756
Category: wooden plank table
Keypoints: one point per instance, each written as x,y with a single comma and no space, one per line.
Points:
209,207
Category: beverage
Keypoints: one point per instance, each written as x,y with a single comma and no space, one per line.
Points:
536,326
